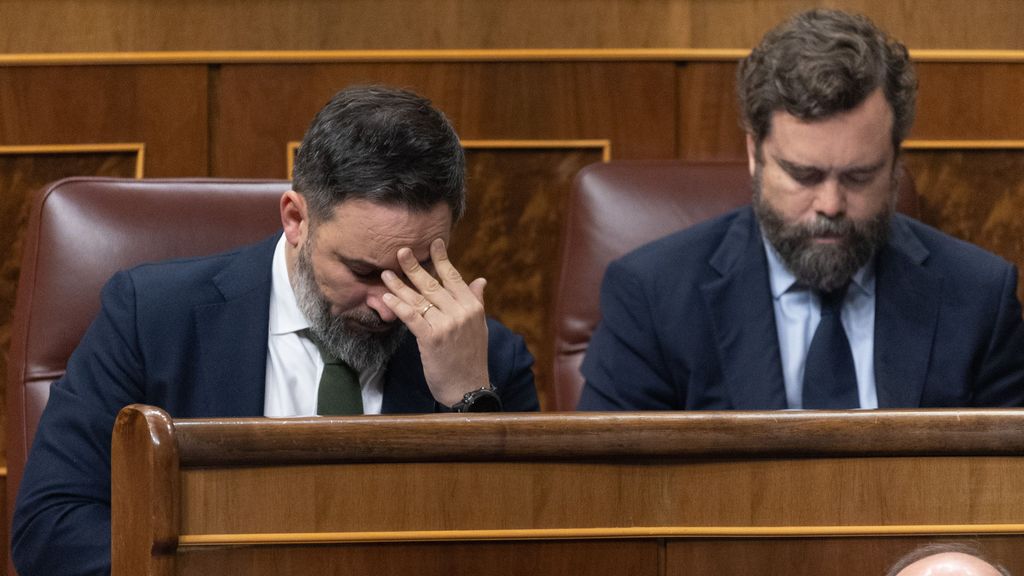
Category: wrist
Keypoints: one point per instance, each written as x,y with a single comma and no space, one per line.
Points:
483,399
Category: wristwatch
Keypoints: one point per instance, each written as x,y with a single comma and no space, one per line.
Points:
482,400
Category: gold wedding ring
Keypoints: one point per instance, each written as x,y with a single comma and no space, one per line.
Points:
427,307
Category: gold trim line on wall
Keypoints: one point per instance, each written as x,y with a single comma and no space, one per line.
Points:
138,148
605,146
479,55
272,539
963,145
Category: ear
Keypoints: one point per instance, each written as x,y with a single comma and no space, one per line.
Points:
294,217
751,154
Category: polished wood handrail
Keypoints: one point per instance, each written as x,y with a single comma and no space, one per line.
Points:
630,435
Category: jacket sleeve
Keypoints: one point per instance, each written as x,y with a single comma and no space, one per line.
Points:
624,367
510,365
1000,381
62,516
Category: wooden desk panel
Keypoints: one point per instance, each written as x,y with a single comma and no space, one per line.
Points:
640,493
674,495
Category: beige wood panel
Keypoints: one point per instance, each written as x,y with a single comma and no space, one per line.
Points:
113,25
974,194
507,558
814,494
164,107
258,109
820,557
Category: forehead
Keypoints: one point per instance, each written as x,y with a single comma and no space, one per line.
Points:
364,230
857,137
949,564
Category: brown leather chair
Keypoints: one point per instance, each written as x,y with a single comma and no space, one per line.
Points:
81,231
617,206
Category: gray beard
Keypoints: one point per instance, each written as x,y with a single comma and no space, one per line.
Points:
360,349
823,267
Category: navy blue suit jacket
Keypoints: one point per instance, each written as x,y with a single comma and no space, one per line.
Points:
189,336
688,323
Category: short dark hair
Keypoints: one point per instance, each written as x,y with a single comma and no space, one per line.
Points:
822,62
383,145
942,548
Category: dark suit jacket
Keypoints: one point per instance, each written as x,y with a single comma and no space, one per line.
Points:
189,336
688,323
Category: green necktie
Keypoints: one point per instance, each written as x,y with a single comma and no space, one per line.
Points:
339,393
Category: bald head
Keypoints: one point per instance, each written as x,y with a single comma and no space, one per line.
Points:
950,564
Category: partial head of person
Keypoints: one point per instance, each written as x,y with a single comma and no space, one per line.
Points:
826,99
946,560
378,169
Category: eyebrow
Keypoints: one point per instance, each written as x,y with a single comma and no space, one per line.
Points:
372,268
792,167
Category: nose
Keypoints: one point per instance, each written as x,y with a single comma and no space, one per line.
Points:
375,300
830,200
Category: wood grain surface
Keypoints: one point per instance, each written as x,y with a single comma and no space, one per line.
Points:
113,25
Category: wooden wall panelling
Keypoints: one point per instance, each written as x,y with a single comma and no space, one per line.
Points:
975,194
709,126
257,109
970,101
163,106
114,25
517,189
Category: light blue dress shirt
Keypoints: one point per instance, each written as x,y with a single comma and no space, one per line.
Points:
797,313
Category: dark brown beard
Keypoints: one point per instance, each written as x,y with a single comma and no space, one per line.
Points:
823,267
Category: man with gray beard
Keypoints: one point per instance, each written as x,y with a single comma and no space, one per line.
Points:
817,296
354,309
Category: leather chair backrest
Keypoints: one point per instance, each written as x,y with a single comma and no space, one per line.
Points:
81,231
617,206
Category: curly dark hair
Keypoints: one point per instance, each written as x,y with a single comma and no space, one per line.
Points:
384,145
822,62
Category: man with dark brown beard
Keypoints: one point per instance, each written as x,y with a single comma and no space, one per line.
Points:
354,309
816,296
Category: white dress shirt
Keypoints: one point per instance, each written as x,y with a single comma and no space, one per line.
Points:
797,313
294,364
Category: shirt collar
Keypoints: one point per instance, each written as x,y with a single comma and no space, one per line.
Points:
782,280
285,315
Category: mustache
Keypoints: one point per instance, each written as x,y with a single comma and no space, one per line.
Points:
369,318
824,226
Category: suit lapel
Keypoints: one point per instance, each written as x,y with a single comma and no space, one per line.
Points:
745,334
232,335
906,315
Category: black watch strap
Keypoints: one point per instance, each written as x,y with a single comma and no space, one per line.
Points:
482,400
